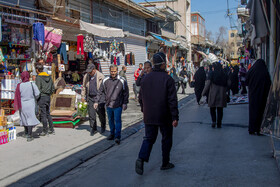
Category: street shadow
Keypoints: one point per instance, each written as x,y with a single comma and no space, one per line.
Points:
57,169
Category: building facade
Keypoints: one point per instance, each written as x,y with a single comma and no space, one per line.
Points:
182,28
235,45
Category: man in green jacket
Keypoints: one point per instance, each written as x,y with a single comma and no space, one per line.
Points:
46,88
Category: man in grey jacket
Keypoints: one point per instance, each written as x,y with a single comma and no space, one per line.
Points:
114,92
91,84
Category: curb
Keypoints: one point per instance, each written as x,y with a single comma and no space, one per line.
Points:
58,169
276,150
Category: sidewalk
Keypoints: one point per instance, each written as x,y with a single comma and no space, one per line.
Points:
59,153
203,156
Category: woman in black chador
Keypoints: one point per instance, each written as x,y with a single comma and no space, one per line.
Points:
234,80
258,81
199,78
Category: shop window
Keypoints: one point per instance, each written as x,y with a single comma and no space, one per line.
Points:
152,27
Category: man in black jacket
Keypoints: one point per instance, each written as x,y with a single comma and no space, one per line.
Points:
158,100
46,88
114,93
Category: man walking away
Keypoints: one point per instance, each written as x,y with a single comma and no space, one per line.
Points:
136,88
114,92
158,99
91,84
122,73
45,85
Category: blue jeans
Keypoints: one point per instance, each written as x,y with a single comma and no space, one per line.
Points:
115,121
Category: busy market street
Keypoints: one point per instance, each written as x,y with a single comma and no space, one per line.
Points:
139,93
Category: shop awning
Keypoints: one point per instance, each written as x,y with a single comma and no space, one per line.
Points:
102,31
202,53
167,43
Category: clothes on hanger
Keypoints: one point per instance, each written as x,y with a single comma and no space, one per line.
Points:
62,51
39,32
122,48
80,44
88,44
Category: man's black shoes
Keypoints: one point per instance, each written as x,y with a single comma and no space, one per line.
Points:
92,132
117,141
110,137
139,166
167,166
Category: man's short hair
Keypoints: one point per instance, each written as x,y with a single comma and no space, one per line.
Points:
123,67
39,67
141,64
148,62
113,66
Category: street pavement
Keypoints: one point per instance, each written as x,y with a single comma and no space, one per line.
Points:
46,158
203,156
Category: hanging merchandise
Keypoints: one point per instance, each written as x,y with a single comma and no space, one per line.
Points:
62,51
71,55
105,46
39,32
118,61
115,60
0,28
122,48
132,59
90,55
112,59
52,38
2,59
80,44
88,44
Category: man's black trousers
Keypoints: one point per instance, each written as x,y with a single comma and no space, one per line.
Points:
151,132
92,114
44,103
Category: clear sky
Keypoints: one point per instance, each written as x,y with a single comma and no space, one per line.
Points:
213,11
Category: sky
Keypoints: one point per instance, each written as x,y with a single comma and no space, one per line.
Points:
213,11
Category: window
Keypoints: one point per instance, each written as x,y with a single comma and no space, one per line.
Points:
232,53
194,18
75,14
232,44
232,35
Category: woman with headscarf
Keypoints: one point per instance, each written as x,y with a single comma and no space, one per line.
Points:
217,98
25,95
242,78
183,77
199,78
258,81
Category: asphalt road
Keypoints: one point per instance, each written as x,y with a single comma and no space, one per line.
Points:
202,156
